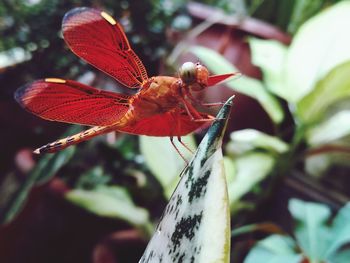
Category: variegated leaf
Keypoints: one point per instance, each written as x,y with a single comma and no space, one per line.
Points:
195,226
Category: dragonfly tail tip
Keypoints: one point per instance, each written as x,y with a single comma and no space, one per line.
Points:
37,151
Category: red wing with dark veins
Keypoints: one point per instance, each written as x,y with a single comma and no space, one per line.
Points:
72,102
98,39
215,79
176,123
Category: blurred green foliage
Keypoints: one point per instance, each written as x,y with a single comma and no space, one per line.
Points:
35,25
96,167
288,15
312,132
314,240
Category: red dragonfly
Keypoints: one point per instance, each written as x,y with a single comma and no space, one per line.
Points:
163,106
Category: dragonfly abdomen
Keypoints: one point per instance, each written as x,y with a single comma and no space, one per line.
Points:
71,140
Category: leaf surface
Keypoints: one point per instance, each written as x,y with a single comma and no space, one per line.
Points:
195,226
217,64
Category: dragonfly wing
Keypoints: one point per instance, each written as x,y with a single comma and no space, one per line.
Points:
72,102
98,39
215,79
176,123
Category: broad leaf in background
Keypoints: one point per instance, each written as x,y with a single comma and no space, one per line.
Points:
318,164
217,64
311,232
195,226
94,177
110,201
317,241
46,168
250,139
340,233
274,249
49,165
320,44
270,56
335,128
301,11
163,160
332,88
251,168
341,257
267,227
230,169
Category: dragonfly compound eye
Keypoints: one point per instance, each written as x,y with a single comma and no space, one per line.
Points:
188,72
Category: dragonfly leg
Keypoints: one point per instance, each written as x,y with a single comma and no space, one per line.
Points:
184,144
177,149
193,113
205,104
212,104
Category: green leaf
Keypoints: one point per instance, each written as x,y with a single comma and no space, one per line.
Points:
274,249
340,231
311,233
270,56
320,44
93,178
163,160
335,128
318,242
251,168
217,64
334,87
195,226
230,169
250,139
109,201
342,218
319,164
49,165
301,11
46,168
341,257
261,227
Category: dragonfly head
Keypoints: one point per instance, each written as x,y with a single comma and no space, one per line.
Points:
195,76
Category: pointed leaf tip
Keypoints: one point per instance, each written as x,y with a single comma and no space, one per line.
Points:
217,129
195,225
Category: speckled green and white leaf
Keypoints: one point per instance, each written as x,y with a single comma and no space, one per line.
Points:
195,226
